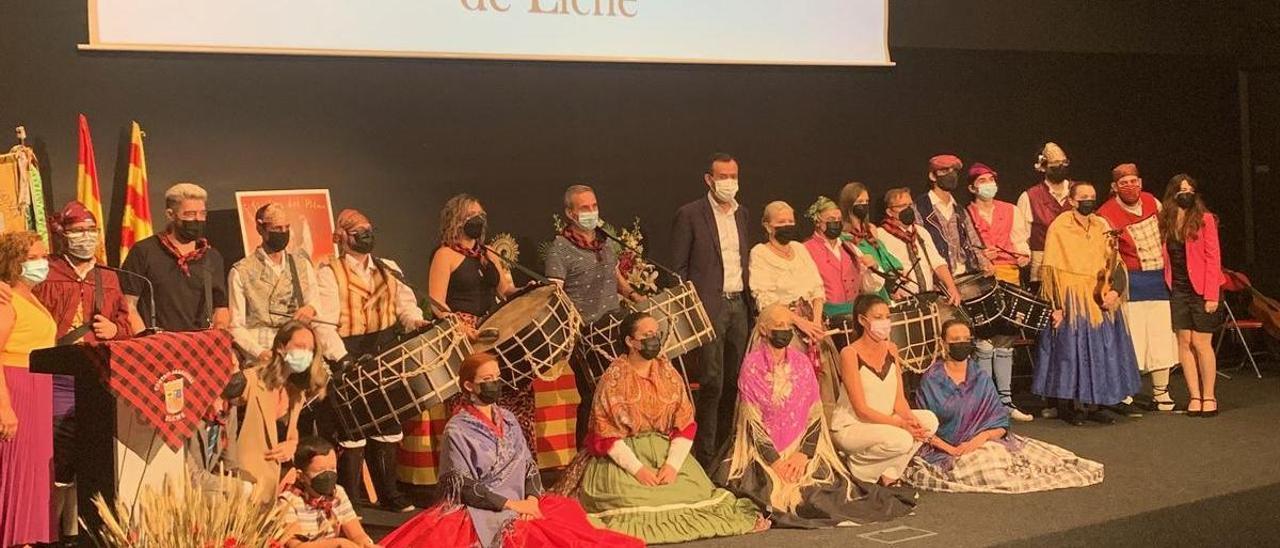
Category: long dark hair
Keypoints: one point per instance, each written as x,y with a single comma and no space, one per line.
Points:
1193,218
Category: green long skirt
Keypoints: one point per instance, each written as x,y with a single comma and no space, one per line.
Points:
691,508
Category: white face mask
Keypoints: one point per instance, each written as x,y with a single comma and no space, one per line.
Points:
298,360
589,220
726,189
987,191
83,245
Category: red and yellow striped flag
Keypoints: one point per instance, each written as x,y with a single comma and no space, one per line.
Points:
136,223
87,186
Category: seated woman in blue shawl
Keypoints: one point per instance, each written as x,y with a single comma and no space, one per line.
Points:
973,450
492,492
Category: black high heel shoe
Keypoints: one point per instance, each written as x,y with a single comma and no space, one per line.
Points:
1195,413
1210,414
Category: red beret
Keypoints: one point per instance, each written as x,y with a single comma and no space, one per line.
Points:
944,161
979,169
1124,170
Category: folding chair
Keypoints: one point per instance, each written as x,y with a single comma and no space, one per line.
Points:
1236,282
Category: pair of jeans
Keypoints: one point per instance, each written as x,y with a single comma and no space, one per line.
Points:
717,394
997,361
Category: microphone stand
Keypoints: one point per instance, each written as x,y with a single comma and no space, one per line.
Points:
522,268
151,296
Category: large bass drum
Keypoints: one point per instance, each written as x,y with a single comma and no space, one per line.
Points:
534,332
681,318
916,327
403,381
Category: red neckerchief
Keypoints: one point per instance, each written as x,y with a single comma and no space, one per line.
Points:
318,502
488,421
184,260
896,228
863,235
476,251
578,240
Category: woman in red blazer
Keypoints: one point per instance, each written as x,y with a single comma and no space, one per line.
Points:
1193,270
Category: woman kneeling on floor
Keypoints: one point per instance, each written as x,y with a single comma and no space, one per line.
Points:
781,454
492,491
973,450
635,476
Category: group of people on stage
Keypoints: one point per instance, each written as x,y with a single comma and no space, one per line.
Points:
786,427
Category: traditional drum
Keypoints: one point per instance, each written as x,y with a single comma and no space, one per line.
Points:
403,381
1024,308
535,331
681,319
916,328
981,298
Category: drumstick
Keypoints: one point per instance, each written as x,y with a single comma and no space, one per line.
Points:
316,320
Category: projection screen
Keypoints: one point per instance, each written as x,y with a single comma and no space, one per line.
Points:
765,32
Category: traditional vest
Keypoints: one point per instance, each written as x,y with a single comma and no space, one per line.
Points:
269,298
998,234
949,235
363,309
1140,244
1044,209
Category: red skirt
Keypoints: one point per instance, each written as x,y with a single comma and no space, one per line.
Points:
563,525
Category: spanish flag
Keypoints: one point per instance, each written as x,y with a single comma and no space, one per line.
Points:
87,186
136,223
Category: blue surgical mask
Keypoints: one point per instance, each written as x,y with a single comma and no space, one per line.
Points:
589,219
35,270
298,360
987,191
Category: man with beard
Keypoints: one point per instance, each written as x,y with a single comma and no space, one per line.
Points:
1135,214
1044,202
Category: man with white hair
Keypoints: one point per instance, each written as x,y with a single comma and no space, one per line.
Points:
185,271
1044,202
270,286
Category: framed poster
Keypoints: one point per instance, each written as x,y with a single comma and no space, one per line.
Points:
310,217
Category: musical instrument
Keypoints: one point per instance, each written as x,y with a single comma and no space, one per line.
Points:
401,382
980,297
681,318
916,328
1024,309
536,330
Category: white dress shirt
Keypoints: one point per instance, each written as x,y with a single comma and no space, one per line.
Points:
929,261
730,248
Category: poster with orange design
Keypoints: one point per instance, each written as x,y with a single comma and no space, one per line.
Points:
310,216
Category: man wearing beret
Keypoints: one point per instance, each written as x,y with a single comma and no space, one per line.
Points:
1135,213
947,223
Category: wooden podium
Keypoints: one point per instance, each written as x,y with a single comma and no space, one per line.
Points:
138,402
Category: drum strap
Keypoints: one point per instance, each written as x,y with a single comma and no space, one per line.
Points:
915,262
297,284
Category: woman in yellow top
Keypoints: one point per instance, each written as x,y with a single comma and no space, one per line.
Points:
26,399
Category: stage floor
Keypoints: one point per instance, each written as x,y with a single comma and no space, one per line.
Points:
1171,480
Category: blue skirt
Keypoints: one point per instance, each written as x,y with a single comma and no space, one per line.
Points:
1093,365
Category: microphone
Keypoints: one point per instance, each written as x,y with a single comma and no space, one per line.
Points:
664,269
522,268
151,294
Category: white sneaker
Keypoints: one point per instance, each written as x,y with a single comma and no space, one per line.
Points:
1018,415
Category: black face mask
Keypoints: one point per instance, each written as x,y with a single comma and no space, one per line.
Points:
860,211
833,229
474,227
1087,207
188,231
651,347
275,241
488,392
960,351
907,216
947,181
362,242
785,234
1056,174
780,338
325,483
1185,200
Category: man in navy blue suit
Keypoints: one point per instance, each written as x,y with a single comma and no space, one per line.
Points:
711,249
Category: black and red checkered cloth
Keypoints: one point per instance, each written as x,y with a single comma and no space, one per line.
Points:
141,370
